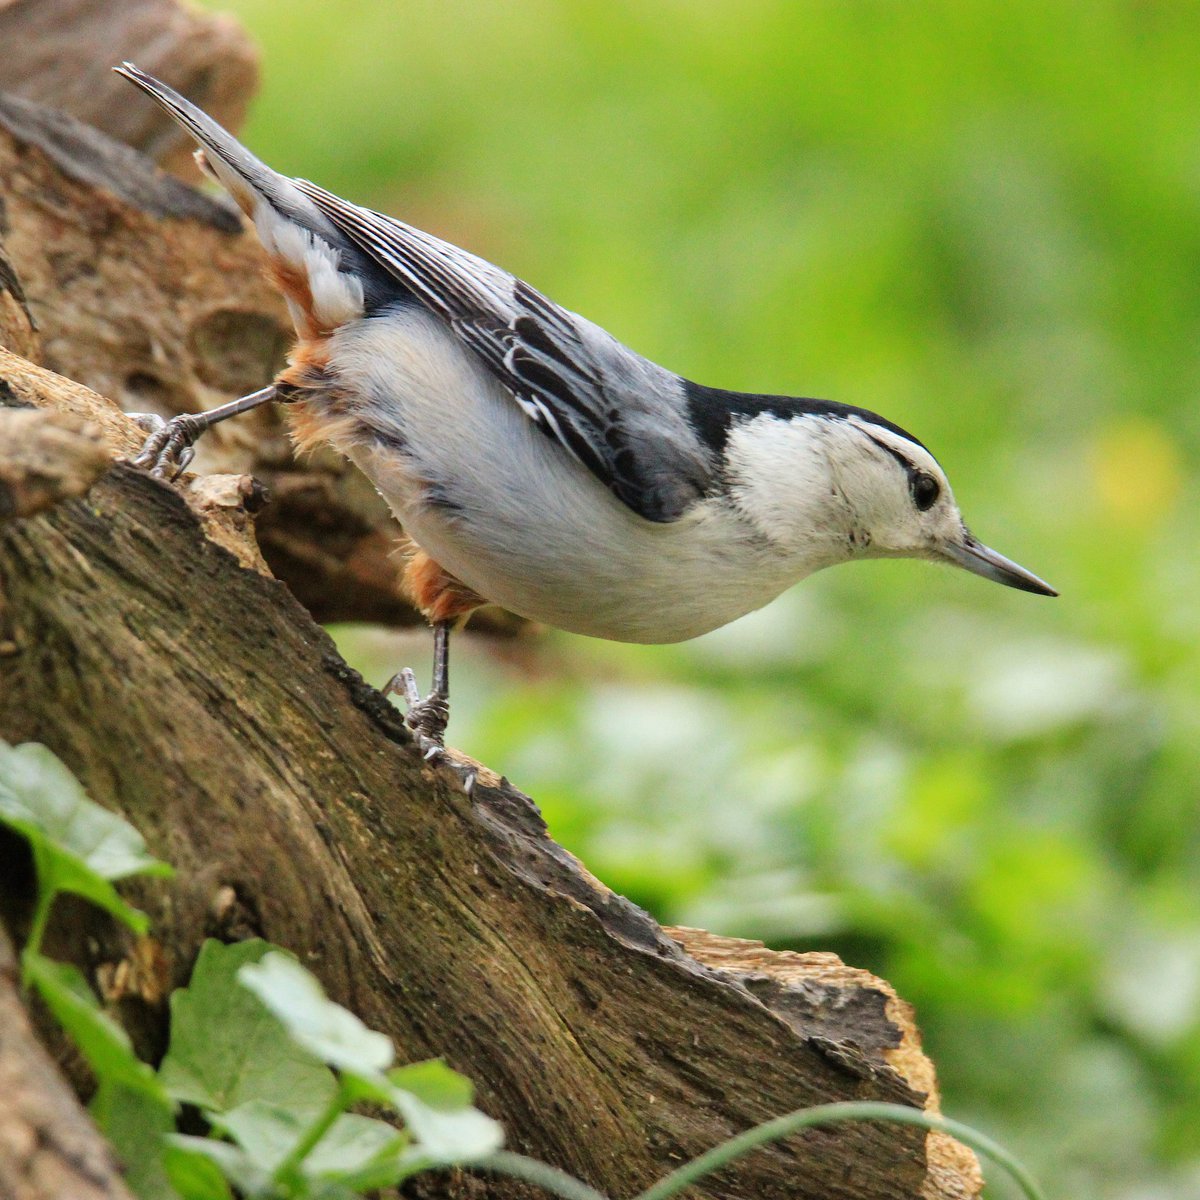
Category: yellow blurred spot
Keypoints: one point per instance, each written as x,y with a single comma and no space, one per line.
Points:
1136,471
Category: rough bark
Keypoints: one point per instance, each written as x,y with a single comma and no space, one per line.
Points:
194,694
49,1149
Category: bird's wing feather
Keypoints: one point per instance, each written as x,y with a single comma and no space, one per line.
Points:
621,416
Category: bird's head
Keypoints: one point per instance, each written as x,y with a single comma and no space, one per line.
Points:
847,484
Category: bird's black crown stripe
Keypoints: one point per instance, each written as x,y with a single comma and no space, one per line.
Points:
712,411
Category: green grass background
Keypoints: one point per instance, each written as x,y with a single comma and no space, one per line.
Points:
982,220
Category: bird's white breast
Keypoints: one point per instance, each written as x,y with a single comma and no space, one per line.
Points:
514,516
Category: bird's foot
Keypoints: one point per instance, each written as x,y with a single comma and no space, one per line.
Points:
427,718
167,452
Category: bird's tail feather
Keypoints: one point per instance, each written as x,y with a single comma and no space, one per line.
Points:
319,271
246,178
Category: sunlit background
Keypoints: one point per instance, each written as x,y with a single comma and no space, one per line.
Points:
982,220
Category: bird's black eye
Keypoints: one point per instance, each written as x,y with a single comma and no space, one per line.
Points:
925,491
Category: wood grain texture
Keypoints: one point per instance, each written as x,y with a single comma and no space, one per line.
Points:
198,698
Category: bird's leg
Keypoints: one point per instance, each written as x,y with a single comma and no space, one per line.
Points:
428,717
168,449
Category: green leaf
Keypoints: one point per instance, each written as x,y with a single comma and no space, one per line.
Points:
435,1102
435,1083
232,1161
78,846
194,1176
269,1132
331,1032
227,1048
447,1136
136,1122
101,1040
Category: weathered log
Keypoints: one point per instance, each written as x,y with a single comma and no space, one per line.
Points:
294,804
45,457
17,330
49,1149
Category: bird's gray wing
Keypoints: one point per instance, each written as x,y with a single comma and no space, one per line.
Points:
621,416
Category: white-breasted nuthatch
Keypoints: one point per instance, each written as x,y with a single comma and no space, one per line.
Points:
539,464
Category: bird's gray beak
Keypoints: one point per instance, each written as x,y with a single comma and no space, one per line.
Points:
975,556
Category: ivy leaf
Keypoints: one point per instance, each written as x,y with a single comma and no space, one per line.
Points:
436,1103
446,1136
227,1048
194,1176
100,1039
78,846
232,1162
436,1084
334,1034
269,1132
131,1107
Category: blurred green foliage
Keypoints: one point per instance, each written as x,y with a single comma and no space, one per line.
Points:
982,220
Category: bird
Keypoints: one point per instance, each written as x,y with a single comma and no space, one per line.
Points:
537,463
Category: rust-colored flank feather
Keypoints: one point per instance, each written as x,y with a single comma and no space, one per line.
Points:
436,592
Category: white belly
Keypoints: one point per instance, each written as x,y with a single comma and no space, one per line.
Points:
515,517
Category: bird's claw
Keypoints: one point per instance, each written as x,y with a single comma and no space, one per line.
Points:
168,450
427,718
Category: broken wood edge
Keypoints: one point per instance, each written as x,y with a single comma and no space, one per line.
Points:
46,457
951,1164
224,504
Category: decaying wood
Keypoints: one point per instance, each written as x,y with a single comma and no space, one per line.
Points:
222,503
49,1150
294,805
153,293
45,457
61,53
17,330
825,999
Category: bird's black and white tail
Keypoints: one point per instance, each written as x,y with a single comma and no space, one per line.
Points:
308,254
246,178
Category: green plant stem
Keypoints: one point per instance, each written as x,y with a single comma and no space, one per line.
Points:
289,1169
529,1170
37,930
833,1114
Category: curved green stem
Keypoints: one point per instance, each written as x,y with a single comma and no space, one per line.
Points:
833,1114
288,1170
529,1170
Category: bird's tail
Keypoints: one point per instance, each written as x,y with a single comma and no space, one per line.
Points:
243,176
320,273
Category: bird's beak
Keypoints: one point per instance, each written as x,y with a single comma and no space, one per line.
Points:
972,554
